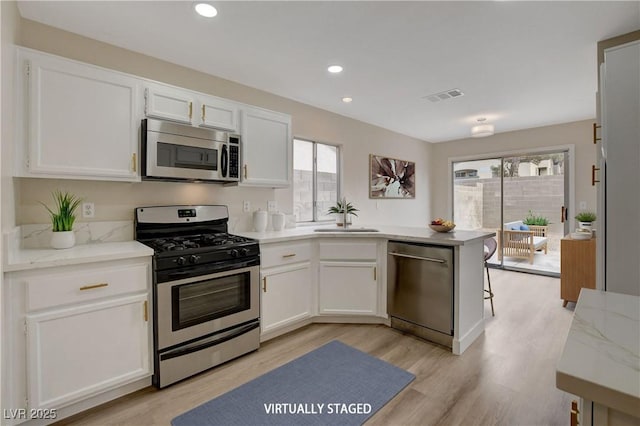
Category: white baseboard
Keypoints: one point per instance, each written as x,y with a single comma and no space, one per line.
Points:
461,344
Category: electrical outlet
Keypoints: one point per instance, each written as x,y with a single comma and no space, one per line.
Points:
88,210
583,205
246,206
272,206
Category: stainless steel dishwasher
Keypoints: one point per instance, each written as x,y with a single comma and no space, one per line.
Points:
420,290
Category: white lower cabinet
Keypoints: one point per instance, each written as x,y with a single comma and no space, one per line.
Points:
287,280
348,288
286,296
75,352
348,277
76,332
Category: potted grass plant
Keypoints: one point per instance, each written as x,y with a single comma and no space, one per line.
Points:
585,219
339,209
62,219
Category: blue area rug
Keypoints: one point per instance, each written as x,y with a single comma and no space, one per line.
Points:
332,385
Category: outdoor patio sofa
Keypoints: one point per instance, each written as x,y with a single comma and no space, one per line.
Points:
520,240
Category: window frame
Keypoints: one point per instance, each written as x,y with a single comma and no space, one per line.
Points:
314,176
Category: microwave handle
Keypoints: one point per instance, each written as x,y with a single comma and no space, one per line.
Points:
224,160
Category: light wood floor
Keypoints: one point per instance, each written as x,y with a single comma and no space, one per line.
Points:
507,377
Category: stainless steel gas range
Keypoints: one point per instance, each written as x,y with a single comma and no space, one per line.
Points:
206,305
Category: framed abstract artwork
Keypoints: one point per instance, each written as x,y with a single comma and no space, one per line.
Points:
391,178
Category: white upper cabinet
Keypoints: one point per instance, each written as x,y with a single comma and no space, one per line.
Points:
267,148
77,121
218,113
168,103
185,106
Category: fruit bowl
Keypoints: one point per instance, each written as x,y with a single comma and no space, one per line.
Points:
441,228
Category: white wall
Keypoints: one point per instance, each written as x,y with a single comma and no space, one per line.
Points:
116,201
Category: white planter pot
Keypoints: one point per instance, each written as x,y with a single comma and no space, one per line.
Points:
63,239
340,222
585,225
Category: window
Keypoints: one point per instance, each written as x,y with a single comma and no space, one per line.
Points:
315,180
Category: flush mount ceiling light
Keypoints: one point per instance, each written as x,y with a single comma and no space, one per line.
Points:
206,10
482,129
334,69
346,100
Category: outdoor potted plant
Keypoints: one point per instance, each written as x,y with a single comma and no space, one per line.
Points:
535,220
62,218
585,219
339,210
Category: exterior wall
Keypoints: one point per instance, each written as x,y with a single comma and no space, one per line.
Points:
543,195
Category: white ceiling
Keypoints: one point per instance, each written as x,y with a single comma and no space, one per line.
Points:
519,64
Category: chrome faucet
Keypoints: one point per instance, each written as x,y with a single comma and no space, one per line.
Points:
345,215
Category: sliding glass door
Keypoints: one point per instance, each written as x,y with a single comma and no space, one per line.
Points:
522,198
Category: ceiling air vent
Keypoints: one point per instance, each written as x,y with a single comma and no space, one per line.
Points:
443,96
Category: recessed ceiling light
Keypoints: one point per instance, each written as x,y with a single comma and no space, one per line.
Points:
334,69
206,10
347,100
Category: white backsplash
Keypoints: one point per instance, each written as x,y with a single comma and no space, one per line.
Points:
39,235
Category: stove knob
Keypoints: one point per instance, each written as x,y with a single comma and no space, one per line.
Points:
234,253
245,251
194,259
181,260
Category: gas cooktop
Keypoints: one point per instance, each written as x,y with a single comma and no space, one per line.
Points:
213,241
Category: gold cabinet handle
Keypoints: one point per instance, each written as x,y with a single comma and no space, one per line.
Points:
264,284
134,162
245,171
92,286
203,113
375,273
190,110
145,311
288,255
595,133
593,175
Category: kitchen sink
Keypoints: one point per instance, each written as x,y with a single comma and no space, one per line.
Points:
346,230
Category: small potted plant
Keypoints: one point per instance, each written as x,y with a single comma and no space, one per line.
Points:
62,218
585,219
339,209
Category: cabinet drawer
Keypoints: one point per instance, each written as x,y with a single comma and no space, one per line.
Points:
276,255
349,250
84,284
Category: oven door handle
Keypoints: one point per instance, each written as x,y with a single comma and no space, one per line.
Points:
176,275
210,341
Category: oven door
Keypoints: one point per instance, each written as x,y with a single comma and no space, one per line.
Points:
195,307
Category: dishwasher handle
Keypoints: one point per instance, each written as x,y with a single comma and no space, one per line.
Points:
410,256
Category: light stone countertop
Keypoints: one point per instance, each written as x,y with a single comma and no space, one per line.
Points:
601,357
404,233
28,259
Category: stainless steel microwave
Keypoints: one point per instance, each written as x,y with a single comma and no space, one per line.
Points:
175,152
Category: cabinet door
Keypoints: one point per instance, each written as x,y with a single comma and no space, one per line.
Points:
82,120
168,103
348,288
77,352
218,113
267,148
286,296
